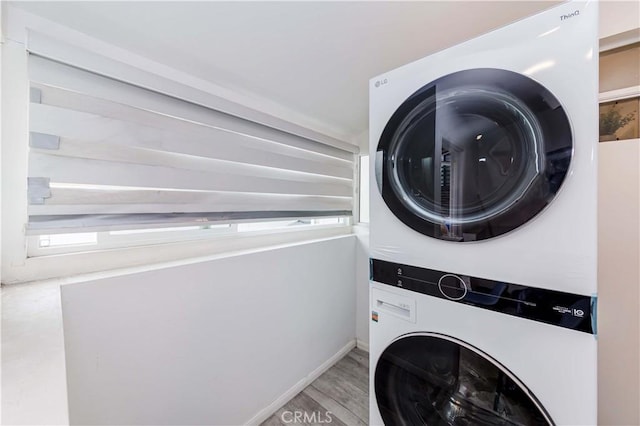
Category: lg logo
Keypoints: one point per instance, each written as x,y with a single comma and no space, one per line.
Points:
382,82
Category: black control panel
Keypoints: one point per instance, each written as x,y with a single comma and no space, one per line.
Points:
573,311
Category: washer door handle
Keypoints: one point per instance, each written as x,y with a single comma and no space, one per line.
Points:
378,169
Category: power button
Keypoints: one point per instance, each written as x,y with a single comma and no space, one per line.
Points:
452,287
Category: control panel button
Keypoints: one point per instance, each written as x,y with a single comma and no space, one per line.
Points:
452,287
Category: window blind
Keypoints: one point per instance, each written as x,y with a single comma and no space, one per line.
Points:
107,155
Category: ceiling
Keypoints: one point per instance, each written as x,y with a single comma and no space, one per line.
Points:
314,58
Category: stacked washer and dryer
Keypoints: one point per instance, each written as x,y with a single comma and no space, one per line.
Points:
483,229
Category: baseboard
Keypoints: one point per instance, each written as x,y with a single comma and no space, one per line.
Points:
362,345
268,411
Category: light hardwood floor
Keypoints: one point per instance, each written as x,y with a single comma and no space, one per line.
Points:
339,397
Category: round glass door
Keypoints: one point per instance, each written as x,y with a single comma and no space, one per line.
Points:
474,154
435,380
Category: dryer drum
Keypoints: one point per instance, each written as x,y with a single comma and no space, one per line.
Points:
474,154
432,379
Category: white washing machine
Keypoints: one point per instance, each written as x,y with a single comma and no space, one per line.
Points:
483,156
483,232
435,362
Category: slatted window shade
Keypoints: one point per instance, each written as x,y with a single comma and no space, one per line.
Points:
108,155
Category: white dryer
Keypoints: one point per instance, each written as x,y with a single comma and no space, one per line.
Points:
484,155
483,232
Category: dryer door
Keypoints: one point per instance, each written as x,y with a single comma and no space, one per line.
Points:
432,379
474,154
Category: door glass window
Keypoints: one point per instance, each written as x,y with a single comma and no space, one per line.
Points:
474,154
436,380
467,157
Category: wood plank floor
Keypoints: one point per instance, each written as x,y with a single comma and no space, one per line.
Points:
339,397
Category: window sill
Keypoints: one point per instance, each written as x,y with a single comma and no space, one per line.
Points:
76,267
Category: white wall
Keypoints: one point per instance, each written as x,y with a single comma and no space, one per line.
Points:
619,283
618,16
34,388
211,342
362,285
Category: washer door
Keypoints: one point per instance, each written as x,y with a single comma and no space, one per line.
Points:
432,379
474,154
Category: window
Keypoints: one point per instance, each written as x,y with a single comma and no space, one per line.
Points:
116,161
115,165
620,119
364,189
620,93
619,68
48,244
